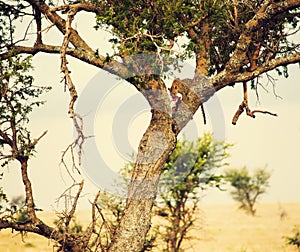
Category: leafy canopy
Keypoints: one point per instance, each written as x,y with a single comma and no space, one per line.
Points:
213,25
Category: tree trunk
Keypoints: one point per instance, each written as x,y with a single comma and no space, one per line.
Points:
155,147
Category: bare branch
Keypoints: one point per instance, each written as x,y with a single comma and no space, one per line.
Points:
105,223
91,229
5,138
64,69
62,160
244,105
70,215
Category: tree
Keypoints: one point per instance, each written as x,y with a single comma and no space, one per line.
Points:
230,41
247,188
190,168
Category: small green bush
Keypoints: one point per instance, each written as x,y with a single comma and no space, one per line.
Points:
294,240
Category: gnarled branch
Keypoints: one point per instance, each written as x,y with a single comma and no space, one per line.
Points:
244,106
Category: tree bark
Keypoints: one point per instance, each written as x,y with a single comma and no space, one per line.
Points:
155,147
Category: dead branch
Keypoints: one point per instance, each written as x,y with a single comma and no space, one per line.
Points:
91,229
73,96
71,213
110,230
66,193
77,143
64,69
272,80
63,162
244,106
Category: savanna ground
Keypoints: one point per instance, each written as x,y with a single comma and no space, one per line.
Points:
220,228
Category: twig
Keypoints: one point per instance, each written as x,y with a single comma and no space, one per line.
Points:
203,113
91,229
35,141
109,229
62,161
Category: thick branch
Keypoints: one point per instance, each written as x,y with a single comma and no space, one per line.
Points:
40,228
74,52
84,52
28,188
225,78
84,6
38,20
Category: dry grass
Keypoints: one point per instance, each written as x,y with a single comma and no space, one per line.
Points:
220,228
226,228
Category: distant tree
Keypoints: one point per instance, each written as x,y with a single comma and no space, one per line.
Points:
247,188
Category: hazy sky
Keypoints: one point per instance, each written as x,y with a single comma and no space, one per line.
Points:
265,140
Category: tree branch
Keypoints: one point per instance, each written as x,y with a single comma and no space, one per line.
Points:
64,69
5,139
84,52
70,215
38,20
28,189
35,141
267,11
244,105
225,78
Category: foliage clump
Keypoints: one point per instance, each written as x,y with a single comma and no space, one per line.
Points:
18,98
294,239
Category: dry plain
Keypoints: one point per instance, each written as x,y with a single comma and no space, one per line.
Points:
220,228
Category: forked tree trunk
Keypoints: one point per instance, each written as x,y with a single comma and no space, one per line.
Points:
155,147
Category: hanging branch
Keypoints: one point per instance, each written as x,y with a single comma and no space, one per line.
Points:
76,118
64,69
244,105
